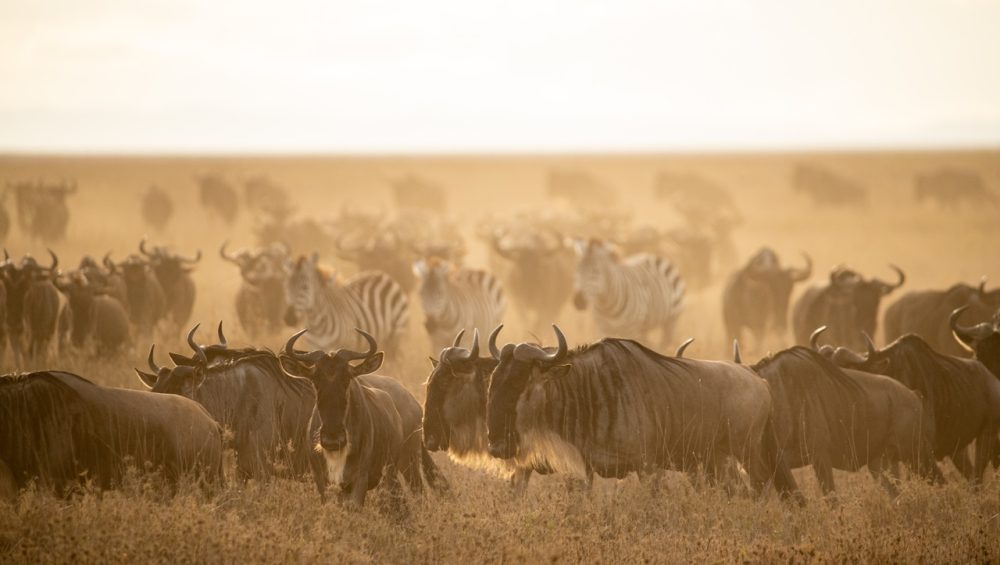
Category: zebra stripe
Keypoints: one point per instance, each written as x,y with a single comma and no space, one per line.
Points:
457,299
331,309
630,297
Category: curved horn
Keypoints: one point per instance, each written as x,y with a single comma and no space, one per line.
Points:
814,337
226,256
222,337
680,350
199,352
142,247
799,275
55,261
349,355
872,350
966,336
474,352
900,274
737,358
458,338
560,353
290,348
151,361
494,350
981,289
195,259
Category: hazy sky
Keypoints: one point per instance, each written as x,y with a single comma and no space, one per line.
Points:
194,75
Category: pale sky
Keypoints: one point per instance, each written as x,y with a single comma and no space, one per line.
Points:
187,76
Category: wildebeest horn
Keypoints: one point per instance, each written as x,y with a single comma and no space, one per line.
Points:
142,247
872,350
494,350
682,347
799,275
814,337
902,279
474,352
349,355
966,336
226,256
55,261
458,338
222,337
737,358
530,352
195,259
199,352
291,352
151,361
981,290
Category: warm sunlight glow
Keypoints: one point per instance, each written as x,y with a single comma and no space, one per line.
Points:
446,75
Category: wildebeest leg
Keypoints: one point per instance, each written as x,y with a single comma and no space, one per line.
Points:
877,473
397,501
519,482
432,473
985,445
410,468
824,474
359,488
962,462
317,464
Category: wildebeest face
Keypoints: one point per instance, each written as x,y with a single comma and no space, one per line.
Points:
332,374
982,339
452,387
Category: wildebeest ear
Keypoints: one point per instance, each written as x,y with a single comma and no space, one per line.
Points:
147,379
369,365
434,362
181,360
558,371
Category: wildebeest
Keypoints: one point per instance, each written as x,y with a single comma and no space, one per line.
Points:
833,418
709,213
33,307
615,407
266,197
249,395
982,339
146,303
630,297
950,188
379,248
539,278
64,430
41,209
960,396
455,410
847,305
218,197
828,188
260,300
925,313
454,298
330,308
369,424
174,273
157,207
94,316
756,296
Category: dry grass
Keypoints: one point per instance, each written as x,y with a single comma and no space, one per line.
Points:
621,521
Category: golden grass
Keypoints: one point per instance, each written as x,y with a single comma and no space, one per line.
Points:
621,521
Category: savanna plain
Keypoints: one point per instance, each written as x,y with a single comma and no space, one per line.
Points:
479,520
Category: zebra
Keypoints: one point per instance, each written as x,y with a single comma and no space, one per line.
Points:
457,298
331,308
631,297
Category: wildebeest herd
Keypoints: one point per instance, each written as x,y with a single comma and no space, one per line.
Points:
315,404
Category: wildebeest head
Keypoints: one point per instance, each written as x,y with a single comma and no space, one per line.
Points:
260,267
184,379
455,390
874,361
765,269
168,266
596,257
982,339
332,374
519,365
